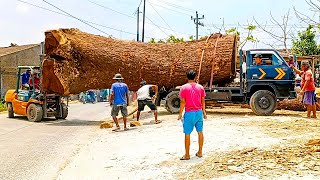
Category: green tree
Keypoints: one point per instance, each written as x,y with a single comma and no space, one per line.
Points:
191,38
305,44
248,38
152,40
173,39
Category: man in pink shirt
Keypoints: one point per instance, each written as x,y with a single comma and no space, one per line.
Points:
192,100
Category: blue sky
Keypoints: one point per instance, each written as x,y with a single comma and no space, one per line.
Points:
24,24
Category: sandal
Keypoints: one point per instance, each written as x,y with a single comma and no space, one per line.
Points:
116,129
198,155
183,158
126,129
158,122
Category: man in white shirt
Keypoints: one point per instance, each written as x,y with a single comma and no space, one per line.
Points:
144,98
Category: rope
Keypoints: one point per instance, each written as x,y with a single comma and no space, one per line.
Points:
214,54
201,60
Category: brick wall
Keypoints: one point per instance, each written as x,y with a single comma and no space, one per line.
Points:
10,62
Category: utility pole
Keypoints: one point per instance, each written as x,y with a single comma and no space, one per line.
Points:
144,19
198,23
138,28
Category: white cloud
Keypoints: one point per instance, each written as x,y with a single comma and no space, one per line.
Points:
22,8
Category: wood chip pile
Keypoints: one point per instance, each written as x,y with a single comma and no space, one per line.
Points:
77,61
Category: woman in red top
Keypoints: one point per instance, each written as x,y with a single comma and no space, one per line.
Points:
307,88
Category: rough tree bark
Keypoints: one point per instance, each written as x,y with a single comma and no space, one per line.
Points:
76,61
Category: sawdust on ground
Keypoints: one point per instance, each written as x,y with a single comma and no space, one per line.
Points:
299,156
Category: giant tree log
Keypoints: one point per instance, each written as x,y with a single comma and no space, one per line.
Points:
294,105
76,61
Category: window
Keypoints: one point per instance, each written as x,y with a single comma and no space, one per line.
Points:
266,59
276,60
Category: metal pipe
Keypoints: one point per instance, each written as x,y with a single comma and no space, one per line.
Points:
18,80
241,71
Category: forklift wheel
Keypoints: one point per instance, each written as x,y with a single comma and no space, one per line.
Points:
10,110
263,103
34,113
173,102
64,111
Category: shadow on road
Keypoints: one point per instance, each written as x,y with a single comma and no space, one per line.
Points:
73,122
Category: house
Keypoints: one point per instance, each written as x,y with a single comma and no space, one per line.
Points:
10,58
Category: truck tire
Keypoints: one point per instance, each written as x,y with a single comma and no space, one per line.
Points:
65,111
263,103
34,112
173,102
10,110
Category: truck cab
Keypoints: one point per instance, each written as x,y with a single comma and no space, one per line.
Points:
265,83
273,72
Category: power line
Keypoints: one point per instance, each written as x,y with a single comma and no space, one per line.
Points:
70,16
43,8
76,17
140,3
170,9
177,6
245,25
111,9
157,26
151,23
160,16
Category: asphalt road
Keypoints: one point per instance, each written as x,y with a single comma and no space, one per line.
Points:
41,150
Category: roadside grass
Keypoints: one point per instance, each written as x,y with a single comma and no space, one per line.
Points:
3,106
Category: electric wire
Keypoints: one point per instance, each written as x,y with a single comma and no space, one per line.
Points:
111,9
176,6
157,26
77,18
71,17
170,9
161,17
151,23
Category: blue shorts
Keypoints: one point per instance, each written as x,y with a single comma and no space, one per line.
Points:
191,120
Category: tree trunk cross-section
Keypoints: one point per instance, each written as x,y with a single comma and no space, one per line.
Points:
77,61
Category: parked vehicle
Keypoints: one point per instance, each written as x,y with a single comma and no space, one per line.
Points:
261,86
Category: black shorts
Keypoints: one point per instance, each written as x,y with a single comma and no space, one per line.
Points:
149,103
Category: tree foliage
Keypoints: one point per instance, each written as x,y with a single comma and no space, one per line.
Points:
171,39
249,37
305,44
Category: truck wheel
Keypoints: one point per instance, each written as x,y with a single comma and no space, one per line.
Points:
10,110
263,103
34,112
64,108
173,102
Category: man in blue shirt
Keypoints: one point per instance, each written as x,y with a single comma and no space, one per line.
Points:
119,100
25,78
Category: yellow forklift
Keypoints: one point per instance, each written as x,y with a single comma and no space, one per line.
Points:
31,101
